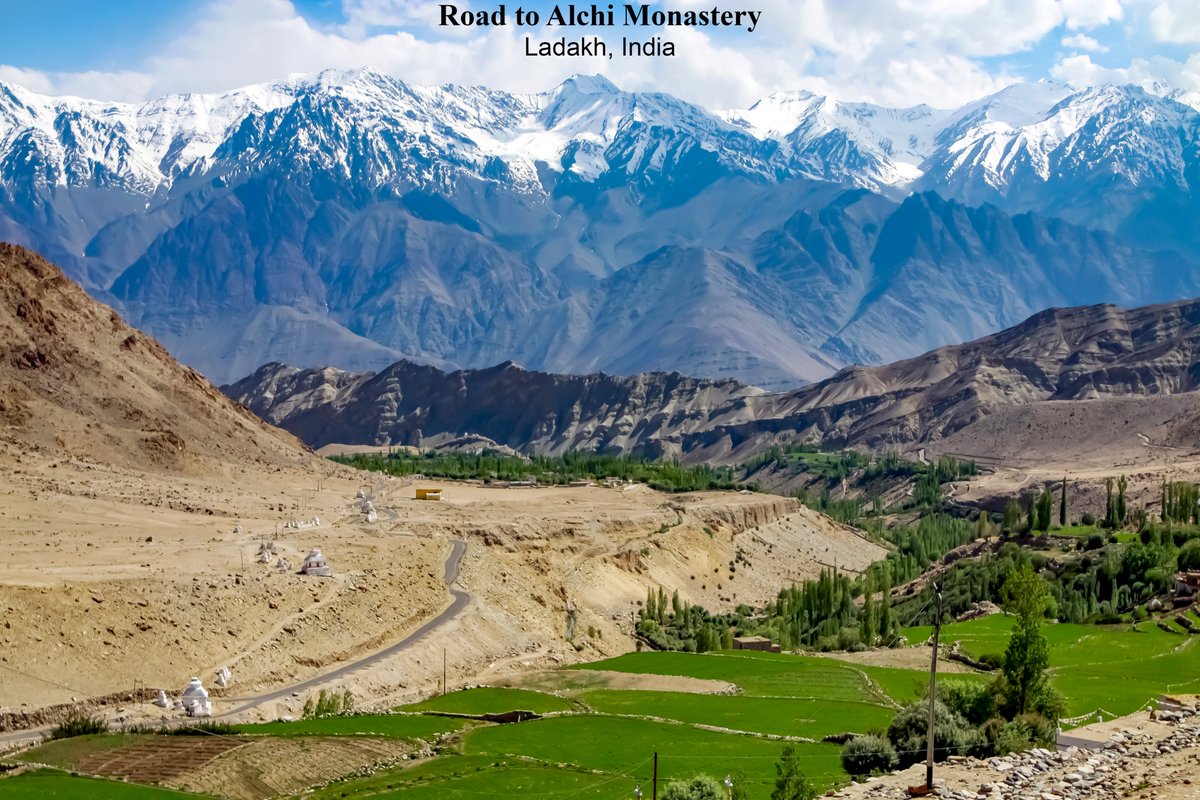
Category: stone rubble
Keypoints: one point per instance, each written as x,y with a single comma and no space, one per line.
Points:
1133,762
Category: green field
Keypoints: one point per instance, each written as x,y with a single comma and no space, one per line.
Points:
757,674
600,741
48,785
1113,667
394,726
800,716
66,753
619,745
493,700
475,777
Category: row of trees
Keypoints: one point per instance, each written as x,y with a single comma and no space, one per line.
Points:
823,613
670,476
1098,584
1179,503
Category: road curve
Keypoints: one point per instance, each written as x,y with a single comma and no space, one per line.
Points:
457,549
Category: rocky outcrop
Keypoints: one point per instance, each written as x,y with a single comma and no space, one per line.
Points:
1073,354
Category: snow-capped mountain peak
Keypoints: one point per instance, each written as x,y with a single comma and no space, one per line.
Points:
373,125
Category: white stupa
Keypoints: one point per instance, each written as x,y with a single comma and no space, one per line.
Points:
195,699
314,564
224,677
162,701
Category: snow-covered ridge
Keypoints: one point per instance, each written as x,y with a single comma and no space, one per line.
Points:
376,128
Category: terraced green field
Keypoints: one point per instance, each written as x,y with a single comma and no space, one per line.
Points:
396,726
1113,667
48,785
757,674
619,745
493,700
799,716
599,742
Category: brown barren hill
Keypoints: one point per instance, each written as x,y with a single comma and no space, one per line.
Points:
135,499
76,381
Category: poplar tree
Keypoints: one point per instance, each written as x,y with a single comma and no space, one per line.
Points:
1045,503
1028,654
1062,505
1122,510
1012,516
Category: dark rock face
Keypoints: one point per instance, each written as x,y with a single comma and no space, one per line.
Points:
1087,353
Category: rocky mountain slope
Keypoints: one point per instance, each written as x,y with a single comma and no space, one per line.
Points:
77,382
353,219
1088,355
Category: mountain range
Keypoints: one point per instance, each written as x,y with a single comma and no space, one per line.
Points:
351,219
1076,359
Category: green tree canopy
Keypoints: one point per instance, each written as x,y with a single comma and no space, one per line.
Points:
1027,656
790,780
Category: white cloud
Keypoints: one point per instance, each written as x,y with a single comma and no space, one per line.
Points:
1177,22
1151,73
1091,13
123,86
893,52
1081,41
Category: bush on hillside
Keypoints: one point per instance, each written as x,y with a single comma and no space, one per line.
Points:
974,702
952,735
701,787
866,755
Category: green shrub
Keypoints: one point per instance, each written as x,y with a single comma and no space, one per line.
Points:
327,704
1004,737
952,735
974,702
203,729
992,660
1044,730
79,725
1189,555
701,787
1022,733
866,755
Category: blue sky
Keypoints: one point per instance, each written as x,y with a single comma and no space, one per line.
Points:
896,52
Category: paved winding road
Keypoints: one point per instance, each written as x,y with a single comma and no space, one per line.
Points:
461,598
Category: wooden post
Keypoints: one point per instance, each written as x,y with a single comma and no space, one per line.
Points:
929,735
654,784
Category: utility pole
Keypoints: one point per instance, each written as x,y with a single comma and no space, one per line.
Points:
654,783
443,670
937,629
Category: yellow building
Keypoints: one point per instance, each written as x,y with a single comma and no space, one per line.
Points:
429,494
